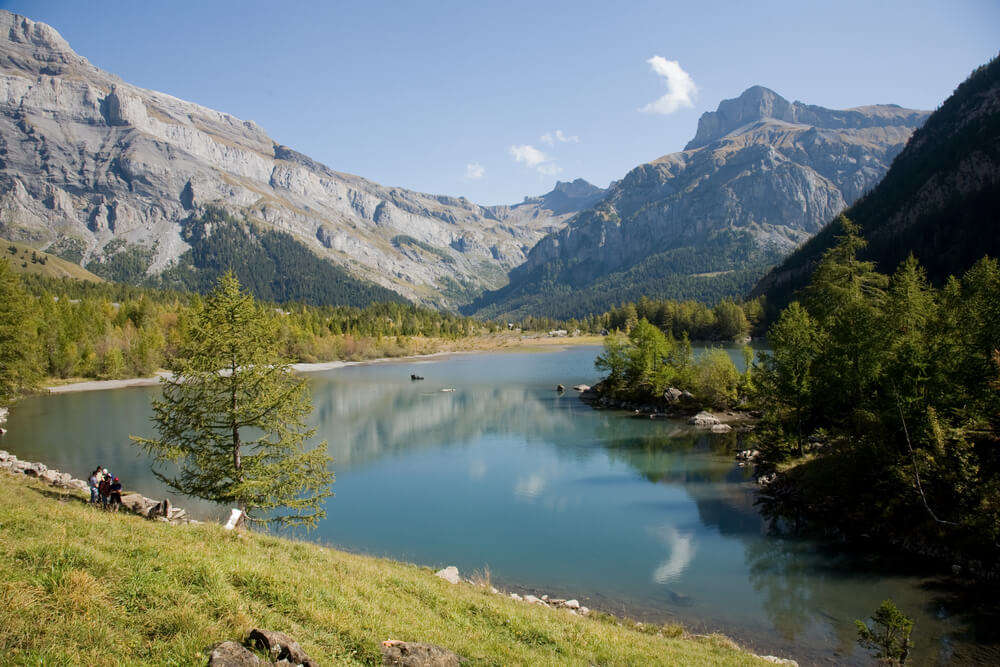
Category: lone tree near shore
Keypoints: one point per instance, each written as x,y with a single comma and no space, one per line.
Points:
228,378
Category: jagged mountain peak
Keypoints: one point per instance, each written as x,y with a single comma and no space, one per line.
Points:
755,103
758,103
22,30
761,176
576,188
568,196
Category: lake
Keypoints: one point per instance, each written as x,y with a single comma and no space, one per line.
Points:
650,519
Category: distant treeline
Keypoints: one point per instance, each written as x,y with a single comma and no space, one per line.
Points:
726,321
112,330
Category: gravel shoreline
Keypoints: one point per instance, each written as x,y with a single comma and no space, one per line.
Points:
99,385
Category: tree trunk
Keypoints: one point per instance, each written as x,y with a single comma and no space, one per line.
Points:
237,459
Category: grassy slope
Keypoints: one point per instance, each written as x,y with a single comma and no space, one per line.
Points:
54,267
79,586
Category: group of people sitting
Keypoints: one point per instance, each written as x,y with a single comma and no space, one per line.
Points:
105,489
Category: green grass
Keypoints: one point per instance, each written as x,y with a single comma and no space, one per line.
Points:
26,259
80,586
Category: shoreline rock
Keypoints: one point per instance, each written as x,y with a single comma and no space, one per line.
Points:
131,502
675,405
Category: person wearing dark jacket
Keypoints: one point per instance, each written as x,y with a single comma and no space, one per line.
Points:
104,489
116,494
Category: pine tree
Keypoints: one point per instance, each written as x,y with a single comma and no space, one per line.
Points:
230,378
888,637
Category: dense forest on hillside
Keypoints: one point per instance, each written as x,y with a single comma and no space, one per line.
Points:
272,265
885,393
939,200
725,321
704,274
114,330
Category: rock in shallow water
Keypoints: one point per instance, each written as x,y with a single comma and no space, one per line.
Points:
704,419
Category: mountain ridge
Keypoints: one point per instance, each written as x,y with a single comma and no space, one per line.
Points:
91,165
751,189
938,200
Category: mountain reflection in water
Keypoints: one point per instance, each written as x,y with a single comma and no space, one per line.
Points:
637,516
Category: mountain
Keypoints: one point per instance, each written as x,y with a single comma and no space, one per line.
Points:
760,177
940,200
107,174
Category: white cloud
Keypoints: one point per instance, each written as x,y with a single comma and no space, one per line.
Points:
551,138
534,158
680,87
474,171
528,154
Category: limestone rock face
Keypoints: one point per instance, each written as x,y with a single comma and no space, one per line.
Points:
761,176
90,161
938,202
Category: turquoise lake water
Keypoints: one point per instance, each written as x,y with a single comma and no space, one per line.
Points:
650,519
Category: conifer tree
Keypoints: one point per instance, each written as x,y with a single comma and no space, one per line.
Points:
19,363
232,416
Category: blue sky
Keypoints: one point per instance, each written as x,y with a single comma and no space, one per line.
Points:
458,97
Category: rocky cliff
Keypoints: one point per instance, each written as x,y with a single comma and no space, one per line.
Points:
939,201
760,177
91,166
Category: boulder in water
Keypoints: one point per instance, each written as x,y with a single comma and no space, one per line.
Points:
704,419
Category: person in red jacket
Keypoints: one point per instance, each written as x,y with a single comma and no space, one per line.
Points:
104,489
